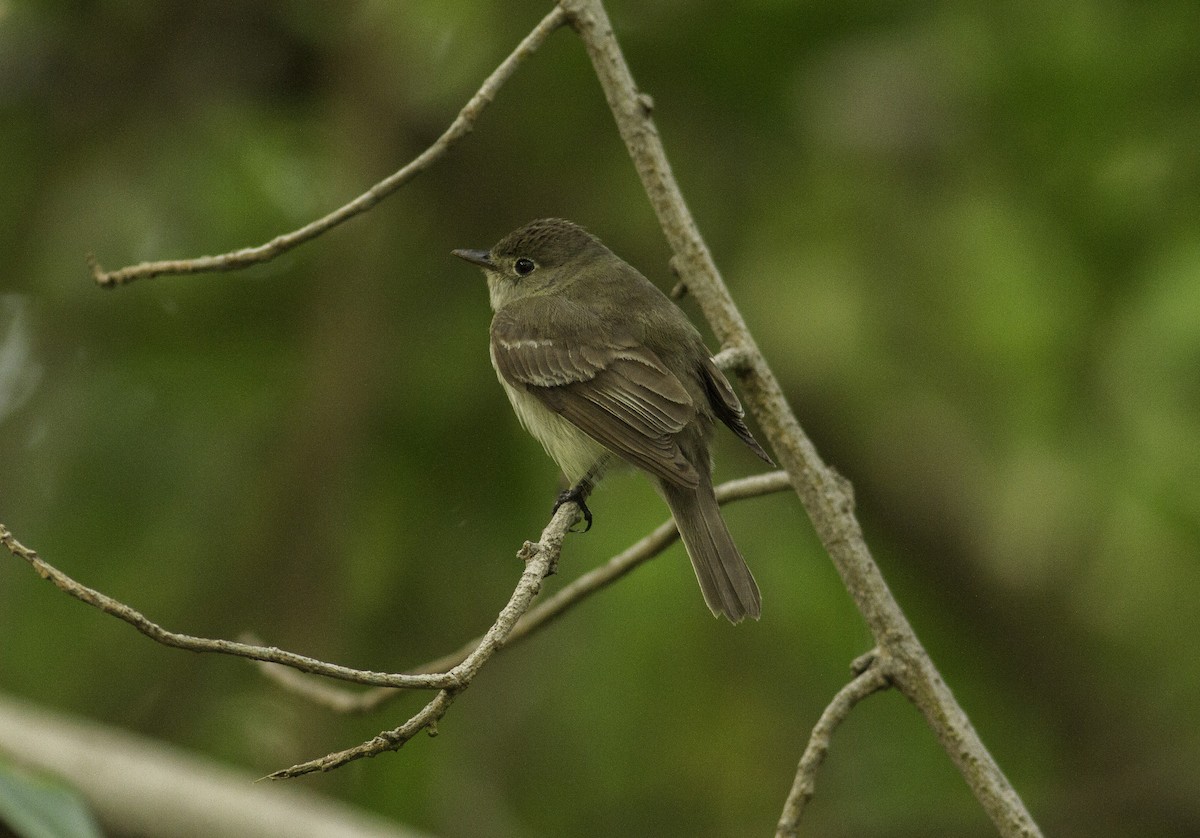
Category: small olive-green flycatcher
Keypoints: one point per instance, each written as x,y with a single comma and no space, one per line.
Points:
601,366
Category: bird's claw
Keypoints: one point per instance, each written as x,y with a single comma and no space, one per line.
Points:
577,495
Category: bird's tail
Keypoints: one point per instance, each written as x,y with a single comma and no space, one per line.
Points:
725,579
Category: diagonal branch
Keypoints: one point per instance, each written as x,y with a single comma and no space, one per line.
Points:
155,632
825,495
448,672
459,128
514,623
567,597
871,676
540,561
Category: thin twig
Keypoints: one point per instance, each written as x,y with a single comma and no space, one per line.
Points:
872,676
734,359
155,632
659,539
822,492
459,128
454,678
388,740
540,561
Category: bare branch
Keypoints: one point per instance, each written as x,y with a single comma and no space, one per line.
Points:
822,492
388,740
155,632
540,561
871,677
547,549
570,595
733,359
459,128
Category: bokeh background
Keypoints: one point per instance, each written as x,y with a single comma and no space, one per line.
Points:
965,234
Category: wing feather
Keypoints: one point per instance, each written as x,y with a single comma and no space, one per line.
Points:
620,394
727,407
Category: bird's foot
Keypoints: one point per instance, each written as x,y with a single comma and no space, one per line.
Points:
577,494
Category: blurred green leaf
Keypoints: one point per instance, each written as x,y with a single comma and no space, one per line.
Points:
36,807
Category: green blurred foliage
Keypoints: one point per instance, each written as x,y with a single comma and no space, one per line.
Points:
964,233
35,807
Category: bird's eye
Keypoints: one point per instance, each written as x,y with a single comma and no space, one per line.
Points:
523,266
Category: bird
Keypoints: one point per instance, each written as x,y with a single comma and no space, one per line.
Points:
602,368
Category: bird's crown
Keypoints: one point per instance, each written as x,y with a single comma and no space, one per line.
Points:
548,241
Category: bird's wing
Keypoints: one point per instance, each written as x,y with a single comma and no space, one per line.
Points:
727,407
618,393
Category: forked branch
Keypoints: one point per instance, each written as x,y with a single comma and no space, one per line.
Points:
451,674
659,539
540,560
870,676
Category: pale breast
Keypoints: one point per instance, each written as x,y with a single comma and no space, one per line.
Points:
573,450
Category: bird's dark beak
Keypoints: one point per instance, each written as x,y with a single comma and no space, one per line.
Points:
476,257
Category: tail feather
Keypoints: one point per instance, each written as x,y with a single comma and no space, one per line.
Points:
725,580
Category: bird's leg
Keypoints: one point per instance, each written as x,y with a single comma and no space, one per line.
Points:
578,494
